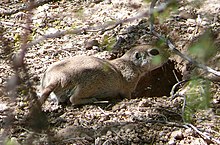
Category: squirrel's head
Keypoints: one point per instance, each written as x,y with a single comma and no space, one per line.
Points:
146,57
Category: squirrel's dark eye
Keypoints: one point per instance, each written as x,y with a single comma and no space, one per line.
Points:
154,52
137,55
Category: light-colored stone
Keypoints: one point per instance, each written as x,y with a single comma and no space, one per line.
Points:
178,134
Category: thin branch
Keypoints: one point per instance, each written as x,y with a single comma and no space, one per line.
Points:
206,137
173,48
18,58
172,92
153,3
196,63
171,124
24,8
183,107
174,73
16,25
185,57
103,111
104,27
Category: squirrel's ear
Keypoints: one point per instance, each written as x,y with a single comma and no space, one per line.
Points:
137,58
137,55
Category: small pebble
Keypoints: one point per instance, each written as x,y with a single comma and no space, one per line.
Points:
177,134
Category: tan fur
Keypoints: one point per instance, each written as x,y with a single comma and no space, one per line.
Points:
86,79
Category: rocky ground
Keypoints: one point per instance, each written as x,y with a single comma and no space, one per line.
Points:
150,117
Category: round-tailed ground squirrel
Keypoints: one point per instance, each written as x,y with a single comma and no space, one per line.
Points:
86,79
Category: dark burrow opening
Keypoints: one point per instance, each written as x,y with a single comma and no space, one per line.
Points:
159,82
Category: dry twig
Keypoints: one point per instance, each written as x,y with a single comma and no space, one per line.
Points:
173,48
104,27
205,136
26,7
